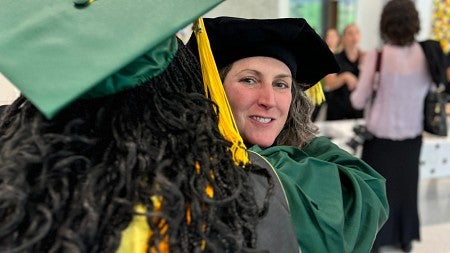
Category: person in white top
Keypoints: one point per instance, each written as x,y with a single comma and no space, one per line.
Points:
395,118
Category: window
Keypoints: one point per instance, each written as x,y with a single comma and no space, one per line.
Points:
322,14
311,10
346,13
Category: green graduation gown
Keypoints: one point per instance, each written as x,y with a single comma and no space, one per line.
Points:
337,202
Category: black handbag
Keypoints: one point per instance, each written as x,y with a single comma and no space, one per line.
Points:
435,116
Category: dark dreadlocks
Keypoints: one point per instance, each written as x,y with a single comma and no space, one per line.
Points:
70,184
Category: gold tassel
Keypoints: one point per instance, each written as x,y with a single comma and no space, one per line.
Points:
315,93
215,91
135,237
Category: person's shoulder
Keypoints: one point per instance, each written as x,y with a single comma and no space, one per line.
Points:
278,217
275,149
281,154
339,54
341,59
319,141
3,108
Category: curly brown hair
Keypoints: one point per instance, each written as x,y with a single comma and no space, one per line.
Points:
399,22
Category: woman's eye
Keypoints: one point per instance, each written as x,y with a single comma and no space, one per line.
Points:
248,80
281,85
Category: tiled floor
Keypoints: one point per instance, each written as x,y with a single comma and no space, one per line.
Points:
434,208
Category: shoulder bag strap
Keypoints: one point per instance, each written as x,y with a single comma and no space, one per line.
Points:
376,75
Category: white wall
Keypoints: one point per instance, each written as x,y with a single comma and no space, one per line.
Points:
250,8
7,91
425,8
367,15
367,18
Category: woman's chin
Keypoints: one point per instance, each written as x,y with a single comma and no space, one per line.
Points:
261,142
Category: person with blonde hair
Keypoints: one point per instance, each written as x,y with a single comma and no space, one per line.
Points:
339,86
333,39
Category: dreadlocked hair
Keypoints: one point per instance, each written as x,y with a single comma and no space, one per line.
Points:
70,184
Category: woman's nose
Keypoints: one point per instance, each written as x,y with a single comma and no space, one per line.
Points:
267,96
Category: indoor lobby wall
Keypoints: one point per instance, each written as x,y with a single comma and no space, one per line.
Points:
367,17
251,9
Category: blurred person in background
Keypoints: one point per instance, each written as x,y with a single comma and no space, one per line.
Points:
395,119
339,86
333,40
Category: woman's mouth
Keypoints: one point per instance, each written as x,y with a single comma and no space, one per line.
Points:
261,119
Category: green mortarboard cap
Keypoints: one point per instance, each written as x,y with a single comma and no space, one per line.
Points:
57,51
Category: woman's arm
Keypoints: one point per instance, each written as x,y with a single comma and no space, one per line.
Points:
364,87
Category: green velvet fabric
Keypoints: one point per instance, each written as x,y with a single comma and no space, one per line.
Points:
56,51
338,203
